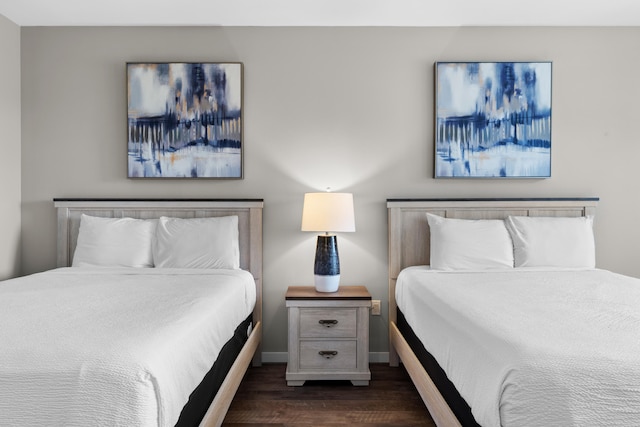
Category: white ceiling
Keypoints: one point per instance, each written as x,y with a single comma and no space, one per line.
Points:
323,12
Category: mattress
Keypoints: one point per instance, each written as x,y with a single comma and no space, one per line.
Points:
116,347
532,347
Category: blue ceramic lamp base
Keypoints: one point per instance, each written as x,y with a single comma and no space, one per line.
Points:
327,264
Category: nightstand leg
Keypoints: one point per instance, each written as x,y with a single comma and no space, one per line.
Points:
295,383
359,382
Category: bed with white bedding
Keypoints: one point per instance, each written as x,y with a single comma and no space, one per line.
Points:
532,347
123,346
516,344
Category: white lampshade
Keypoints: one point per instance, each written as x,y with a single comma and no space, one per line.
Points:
328,212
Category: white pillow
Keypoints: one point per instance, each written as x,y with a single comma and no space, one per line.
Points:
114,242
460,244
197,243
553,241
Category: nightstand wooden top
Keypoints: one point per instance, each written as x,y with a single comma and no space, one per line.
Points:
344,292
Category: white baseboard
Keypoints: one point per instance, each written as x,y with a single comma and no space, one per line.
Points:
378,357
274,357
282,357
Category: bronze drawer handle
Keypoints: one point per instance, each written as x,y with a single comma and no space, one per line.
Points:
328,354
328,323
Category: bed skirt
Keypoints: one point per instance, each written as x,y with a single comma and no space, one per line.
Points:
458,406
201,398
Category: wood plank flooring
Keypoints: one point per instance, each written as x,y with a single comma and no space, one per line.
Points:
265,399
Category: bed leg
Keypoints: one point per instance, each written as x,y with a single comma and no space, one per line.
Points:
257,357
394,359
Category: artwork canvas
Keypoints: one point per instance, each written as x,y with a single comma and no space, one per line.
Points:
184,120
493,120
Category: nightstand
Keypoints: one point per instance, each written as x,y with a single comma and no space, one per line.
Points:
328,335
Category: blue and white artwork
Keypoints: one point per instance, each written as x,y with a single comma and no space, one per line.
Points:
493,119
184,120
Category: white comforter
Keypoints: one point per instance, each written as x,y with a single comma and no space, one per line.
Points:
532,347
113,347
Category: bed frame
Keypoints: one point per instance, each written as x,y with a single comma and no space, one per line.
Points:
409,241
249,212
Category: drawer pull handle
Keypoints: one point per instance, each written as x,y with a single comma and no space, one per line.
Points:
328,354
328,323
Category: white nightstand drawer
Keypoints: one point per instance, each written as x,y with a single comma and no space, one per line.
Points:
328,322
329,355
328,335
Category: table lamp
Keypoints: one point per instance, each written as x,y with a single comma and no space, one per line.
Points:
327,212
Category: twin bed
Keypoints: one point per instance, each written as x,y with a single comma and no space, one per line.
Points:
106,342
547,340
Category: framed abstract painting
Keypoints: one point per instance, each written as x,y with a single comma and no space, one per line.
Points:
493,120
184,120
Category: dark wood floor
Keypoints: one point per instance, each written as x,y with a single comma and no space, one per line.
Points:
265,399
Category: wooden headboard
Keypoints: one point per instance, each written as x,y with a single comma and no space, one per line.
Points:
249,212
409,237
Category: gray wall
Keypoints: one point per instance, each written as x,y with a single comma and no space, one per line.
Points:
10,146
348,108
